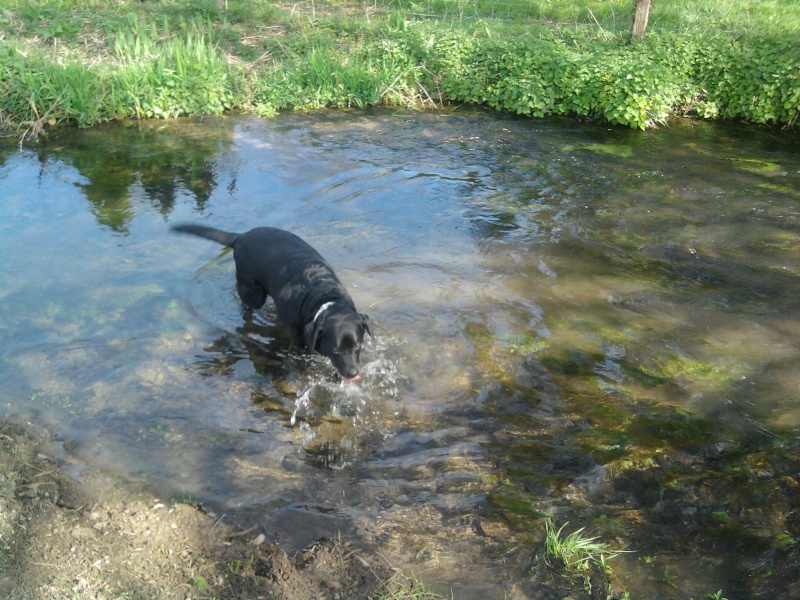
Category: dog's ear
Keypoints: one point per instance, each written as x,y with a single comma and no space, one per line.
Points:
312,331
367,324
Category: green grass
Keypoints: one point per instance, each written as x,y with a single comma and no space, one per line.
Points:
401,587
87,61
615,15
183,75
716,596
576,551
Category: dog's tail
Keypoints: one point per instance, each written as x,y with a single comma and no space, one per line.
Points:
217,235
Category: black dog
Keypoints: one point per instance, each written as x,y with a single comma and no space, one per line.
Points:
308,296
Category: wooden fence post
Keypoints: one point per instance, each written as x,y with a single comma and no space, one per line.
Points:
641,13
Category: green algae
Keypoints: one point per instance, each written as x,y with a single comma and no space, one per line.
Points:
516,507
757,166
671,365
615,150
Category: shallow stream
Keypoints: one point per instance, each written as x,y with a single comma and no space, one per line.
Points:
597,325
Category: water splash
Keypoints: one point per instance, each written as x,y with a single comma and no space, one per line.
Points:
344,421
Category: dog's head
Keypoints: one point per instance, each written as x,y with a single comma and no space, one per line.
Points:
338,334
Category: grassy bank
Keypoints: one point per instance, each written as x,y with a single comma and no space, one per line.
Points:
87,61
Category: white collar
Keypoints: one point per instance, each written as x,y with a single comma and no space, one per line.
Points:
322,309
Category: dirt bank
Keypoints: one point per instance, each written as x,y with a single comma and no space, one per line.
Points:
99,539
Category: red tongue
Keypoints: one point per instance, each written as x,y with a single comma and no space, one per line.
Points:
351,379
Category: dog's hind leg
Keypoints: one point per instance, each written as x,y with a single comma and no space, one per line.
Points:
251,292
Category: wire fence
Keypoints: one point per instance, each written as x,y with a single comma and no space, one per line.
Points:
613,16
609,15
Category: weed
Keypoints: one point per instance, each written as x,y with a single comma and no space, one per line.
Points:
401,587
716,596
201,584
576,551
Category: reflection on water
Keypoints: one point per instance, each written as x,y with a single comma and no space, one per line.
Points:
597,325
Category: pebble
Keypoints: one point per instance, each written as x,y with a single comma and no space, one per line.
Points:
83,533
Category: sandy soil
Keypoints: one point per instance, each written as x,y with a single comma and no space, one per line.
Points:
101,540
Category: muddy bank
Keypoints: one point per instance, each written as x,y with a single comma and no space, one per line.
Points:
98,539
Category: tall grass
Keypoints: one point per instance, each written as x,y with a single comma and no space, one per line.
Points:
157,68
169,76
36,90
379,72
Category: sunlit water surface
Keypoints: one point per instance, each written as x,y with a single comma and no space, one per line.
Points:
573,321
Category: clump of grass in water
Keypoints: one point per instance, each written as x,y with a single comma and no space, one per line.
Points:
578,552
717,596
401,587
